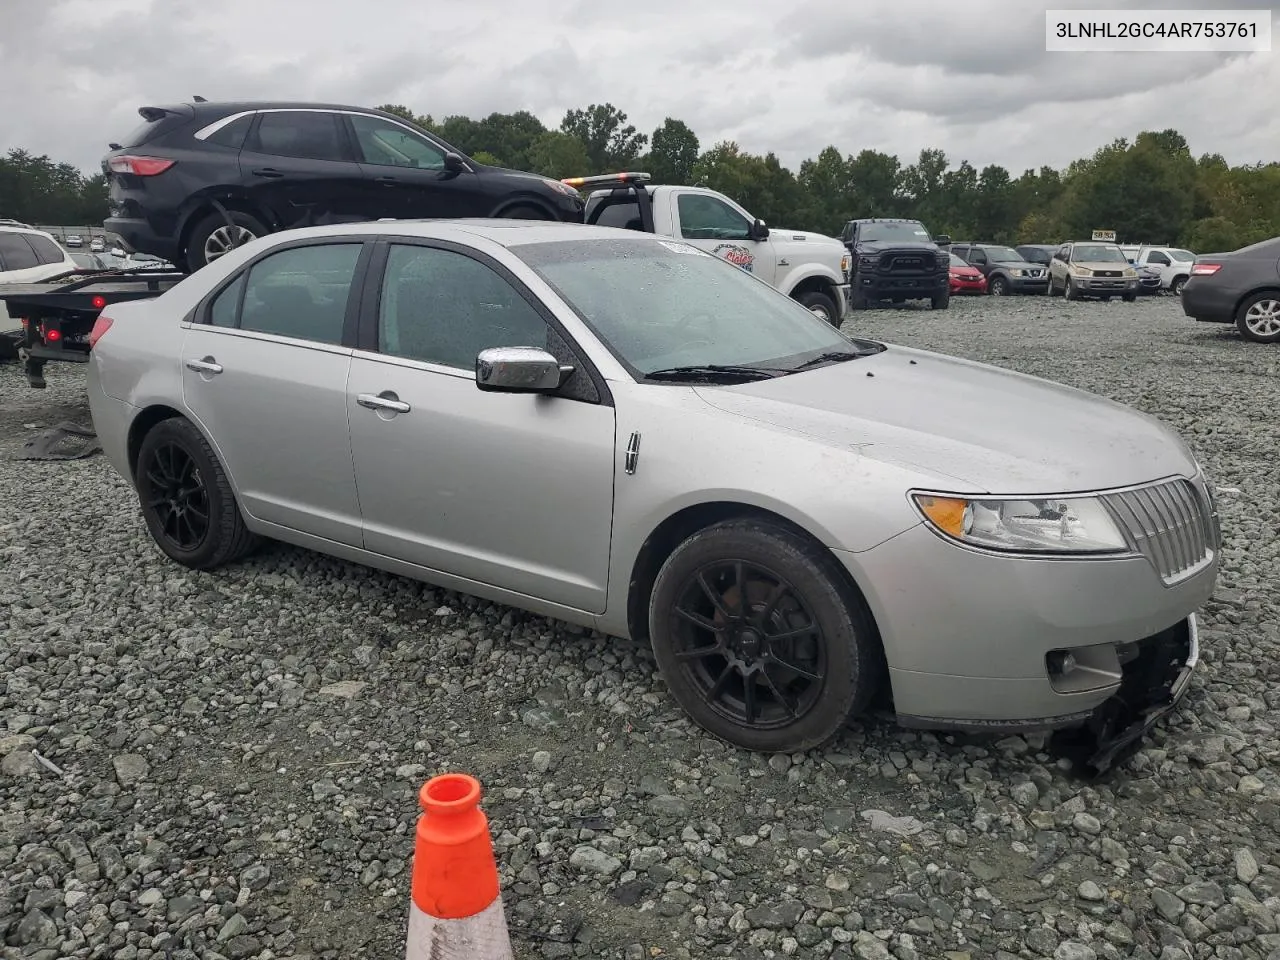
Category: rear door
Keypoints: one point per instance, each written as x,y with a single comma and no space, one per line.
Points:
404,175
299,165
723,230
265,374
22,262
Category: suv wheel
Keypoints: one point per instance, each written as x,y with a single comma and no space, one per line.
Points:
213,237
1177,285
526,211
1069,290
998,287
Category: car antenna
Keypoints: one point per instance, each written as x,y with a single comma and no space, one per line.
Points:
199,99
115,146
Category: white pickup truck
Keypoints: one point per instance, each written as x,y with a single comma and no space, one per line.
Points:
809,267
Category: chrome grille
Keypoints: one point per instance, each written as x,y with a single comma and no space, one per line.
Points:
1170,524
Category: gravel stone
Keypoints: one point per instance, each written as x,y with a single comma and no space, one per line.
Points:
241,751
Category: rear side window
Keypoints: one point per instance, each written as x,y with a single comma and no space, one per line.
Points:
16,253
301,293
46,250
232,134
301,133
226,305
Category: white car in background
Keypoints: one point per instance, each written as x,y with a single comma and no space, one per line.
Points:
1174,263
28,256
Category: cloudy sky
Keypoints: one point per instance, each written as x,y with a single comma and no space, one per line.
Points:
970,77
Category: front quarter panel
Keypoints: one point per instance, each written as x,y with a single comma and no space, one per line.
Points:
692,454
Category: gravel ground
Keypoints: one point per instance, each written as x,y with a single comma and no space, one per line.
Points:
226,765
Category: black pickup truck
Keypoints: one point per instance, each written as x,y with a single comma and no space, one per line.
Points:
896,260
57,317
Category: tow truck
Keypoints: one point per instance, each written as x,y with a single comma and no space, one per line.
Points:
811,268
58,318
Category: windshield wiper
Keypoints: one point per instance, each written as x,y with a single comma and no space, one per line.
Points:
715,371
835,356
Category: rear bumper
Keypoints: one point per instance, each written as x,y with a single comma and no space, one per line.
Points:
1207,302
138,236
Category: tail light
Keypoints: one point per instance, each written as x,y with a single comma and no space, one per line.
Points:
1205,269
53,335
100,326
139,166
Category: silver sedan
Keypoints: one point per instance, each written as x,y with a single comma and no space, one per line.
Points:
620,431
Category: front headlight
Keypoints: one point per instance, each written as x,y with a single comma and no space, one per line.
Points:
1016,273
1041,525
1081,271
845,263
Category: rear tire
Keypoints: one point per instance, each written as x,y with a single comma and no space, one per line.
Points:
1176,287
797,643
1258,318
213,237
821,305
186,499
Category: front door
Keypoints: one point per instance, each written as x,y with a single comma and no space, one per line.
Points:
297,165
723,231
512,490
265,375
404,173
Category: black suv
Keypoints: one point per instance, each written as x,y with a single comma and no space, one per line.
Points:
896,260
1006,270
197,179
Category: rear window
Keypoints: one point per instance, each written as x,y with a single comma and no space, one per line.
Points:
148,130
233,134
625,215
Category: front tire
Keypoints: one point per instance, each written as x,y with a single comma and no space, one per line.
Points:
187,501
1176,287
942,302
213,237
821,305
1258,318
998,287
759,639
1069,290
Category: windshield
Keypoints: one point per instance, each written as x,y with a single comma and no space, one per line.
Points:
956,261
663,304
1003,254
1097,253
894,231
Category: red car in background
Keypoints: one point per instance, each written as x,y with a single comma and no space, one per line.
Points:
966,279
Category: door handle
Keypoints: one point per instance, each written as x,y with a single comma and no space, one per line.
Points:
383,402
206,365
269,172
386,180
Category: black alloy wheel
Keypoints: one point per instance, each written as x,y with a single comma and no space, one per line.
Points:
749,644
173,487
760,637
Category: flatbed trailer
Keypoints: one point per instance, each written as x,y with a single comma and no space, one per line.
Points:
57,316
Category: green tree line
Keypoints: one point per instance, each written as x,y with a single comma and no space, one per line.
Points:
1151,189
38,190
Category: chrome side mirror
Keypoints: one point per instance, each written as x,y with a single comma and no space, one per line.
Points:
519,370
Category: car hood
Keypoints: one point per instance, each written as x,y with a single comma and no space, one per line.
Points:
965,426
1017,264
783,235
1101,265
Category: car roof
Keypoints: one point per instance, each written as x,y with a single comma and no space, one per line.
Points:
8,228
506,232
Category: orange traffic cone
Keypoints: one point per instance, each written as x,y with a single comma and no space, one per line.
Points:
456,913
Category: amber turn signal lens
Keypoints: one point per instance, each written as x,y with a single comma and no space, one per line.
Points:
946,513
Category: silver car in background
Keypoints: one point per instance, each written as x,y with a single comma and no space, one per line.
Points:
621,431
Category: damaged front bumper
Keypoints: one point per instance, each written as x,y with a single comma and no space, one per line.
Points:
1155,676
